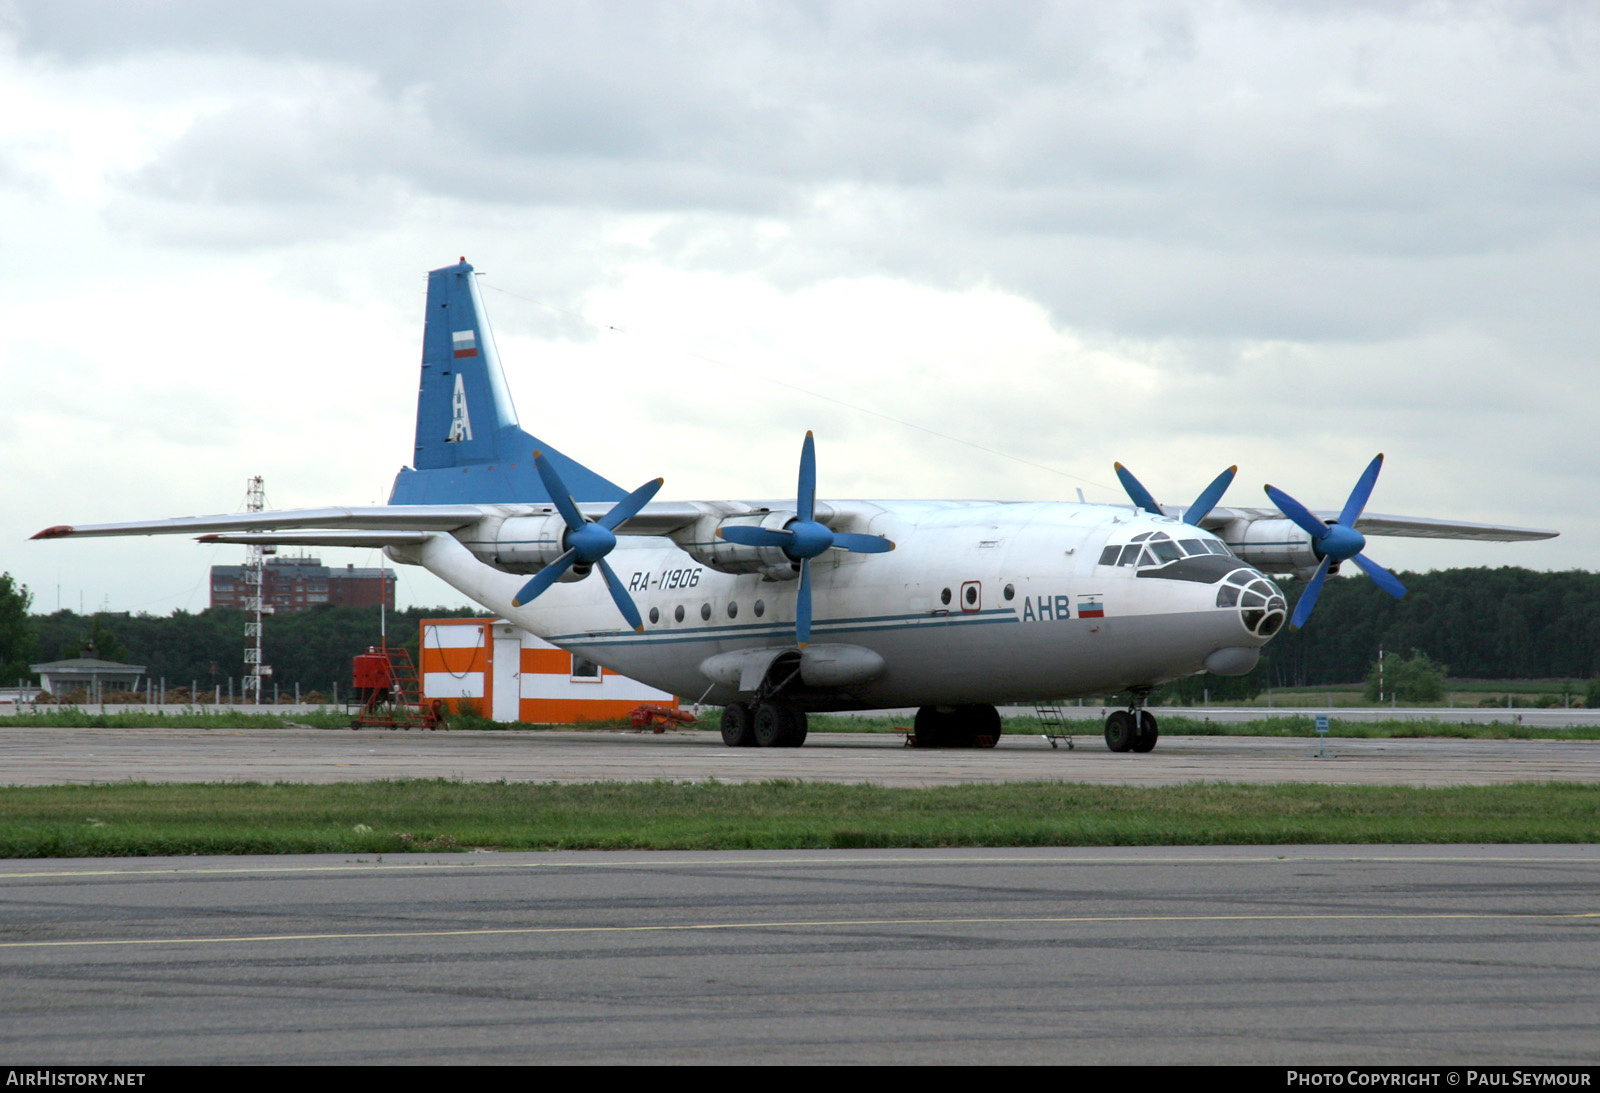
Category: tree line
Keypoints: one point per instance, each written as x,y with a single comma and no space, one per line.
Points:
1505,623
206,648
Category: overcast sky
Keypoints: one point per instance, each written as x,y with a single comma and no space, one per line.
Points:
1282,235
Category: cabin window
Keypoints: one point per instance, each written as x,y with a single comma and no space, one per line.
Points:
655,614
761,608
733,610
1010,592
705,612
944,597
677,613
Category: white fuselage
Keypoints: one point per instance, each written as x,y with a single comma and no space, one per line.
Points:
979,603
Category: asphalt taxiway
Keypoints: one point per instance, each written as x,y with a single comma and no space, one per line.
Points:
33,756
1329,955
1288,955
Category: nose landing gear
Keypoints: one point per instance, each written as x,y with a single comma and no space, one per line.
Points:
1133,729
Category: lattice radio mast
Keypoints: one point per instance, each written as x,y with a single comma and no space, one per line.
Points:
255,501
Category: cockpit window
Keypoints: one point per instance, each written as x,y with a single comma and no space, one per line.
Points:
1156,548
1165,550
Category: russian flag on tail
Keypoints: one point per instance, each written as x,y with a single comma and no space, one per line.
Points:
466,343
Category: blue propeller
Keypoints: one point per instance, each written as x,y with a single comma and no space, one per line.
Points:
587,543
1194,513
1337,542
802,538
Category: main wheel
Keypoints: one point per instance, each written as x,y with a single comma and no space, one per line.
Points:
1121,730
933,728
1148,733
779,726
738,725
981,726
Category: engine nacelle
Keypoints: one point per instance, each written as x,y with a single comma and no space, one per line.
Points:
701,542
519,544
1272,546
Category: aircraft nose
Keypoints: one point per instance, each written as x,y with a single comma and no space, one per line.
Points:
1261,606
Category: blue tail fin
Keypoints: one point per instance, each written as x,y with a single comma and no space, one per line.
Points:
470,447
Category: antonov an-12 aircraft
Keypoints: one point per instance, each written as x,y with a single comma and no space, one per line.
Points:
771,609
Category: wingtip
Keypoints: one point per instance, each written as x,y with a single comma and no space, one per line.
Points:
57,531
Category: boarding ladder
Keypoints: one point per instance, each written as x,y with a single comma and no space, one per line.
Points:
1054,720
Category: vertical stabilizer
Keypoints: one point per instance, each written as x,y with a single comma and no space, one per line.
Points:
469,445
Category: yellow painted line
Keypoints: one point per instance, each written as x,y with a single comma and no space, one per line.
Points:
811,924
487,860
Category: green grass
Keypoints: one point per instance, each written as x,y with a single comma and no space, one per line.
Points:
198,717
1285,724
1288,724
398,816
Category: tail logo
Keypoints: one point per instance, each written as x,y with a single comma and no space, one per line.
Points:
465,343
460,423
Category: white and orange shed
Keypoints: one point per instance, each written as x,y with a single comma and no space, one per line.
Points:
507,674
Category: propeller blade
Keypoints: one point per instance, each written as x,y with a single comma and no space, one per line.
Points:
629,506
1297,512
1308,598
1358,496
1385,580
620,595
543,579
558,492
745,535
861,544
1209,497
802,606
806,495
1136,491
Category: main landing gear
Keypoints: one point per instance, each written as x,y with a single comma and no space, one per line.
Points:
763,724
956,727
1133,729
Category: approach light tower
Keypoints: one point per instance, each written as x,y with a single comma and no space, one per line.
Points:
255,501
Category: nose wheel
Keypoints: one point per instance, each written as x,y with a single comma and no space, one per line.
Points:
1132,730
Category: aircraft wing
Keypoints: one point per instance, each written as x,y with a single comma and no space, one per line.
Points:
337,538
1372,523
363,518
393,523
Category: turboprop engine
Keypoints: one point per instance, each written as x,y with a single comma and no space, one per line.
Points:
518,544
1272,546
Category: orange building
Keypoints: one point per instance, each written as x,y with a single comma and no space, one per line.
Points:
508,674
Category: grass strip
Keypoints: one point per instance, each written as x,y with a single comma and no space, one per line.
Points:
1171,725
416,815
1286,725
